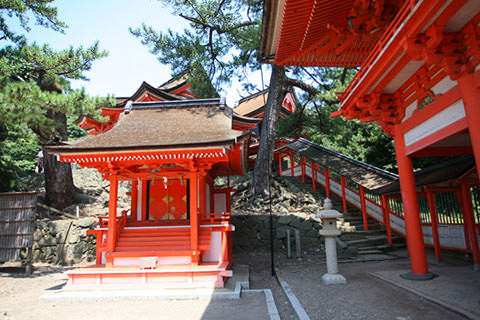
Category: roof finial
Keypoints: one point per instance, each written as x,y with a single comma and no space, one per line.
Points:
128,106
223,102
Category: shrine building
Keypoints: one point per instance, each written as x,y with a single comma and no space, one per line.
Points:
170,148
418,79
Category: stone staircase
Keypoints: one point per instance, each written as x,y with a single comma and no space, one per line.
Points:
355,241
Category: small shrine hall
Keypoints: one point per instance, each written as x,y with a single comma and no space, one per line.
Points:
418,79
170,148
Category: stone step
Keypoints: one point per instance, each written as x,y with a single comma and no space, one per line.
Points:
369,251
367,241
370,243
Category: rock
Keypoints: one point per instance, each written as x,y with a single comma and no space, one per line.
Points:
37,235
73,237
84,222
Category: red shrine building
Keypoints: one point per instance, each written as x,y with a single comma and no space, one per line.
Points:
419,78
170,148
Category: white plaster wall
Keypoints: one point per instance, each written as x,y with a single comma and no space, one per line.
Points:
374,210
207,198
410,110
452,236
219,202
439,121
214,254
443,85
397,224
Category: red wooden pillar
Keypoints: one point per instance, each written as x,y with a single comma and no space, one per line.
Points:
434,218
145,201
194,227
202,194
112,218
134,201
327,181
302,165
364,207
386,218
413,227
314,179
469,220
344,196
280,156
292,163
471,98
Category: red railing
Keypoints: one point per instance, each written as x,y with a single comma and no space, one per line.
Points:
445,229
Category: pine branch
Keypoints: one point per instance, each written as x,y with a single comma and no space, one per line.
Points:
302,85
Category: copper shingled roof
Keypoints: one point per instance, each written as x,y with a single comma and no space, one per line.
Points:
359,172
163,124
251,105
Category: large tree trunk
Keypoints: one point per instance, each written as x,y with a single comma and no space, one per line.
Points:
276,94
58,175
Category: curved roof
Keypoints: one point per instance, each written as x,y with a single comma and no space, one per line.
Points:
165,124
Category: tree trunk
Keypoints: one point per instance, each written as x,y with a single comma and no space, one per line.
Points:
58,175
276,94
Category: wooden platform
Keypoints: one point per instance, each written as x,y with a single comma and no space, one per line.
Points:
210,275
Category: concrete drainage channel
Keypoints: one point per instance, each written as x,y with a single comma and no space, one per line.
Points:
296,305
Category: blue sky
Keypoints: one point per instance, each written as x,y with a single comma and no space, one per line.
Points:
129,62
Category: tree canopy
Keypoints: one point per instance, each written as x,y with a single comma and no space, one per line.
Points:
223,38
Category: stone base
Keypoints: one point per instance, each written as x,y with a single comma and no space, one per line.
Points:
418,277
333,278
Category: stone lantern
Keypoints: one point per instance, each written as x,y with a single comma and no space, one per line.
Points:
329,231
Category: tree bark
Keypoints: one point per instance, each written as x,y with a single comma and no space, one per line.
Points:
276,94
58,175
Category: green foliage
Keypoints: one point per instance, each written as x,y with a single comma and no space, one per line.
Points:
34,81
18,155
35,89
362,141
45,15
222,40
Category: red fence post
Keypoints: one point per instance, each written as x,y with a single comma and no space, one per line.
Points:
292,163
344,196
386,217
327,181
434,218
302,165
313,176
280,156
364,208
469,220
461,203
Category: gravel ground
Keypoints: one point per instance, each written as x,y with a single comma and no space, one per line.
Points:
363,297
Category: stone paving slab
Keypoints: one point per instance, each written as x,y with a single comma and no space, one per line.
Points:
456,287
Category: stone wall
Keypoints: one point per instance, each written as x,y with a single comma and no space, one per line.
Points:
252,232
64,241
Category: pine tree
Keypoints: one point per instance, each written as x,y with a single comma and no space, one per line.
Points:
35,91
